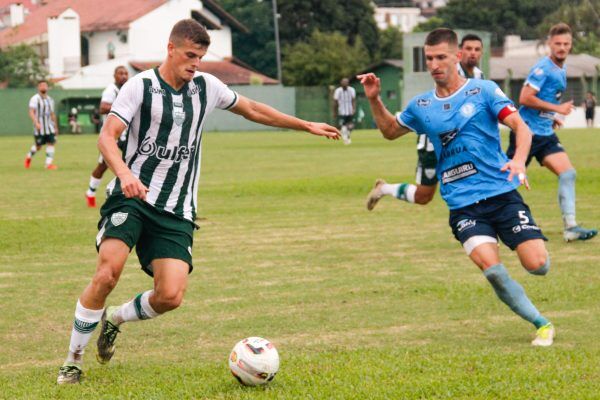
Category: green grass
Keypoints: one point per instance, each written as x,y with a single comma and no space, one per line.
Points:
380,305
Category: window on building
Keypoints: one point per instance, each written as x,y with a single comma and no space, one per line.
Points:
419,64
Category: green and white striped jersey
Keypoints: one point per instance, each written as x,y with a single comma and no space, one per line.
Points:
43,107
164,141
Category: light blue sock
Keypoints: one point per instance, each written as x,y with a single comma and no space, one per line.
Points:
543,270
566,197
513,295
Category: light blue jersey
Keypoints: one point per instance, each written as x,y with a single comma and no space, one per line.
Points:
550,81
464,131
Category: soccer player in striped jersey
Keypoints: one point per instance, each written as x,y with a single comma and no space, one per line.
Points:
470,52
153,199
109,95
45,128
344,106
540,102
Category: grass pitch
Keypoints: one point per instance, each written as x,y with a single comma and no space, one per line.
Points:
361,305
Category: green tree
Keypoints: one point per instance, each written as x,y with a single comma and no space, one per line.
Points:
390,43
323,59
20,66
584,20
429,25
256,48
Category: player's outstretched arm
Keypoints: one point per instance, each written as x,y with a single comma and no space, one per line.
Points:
529,99
516,166
107,144
386,122
267,115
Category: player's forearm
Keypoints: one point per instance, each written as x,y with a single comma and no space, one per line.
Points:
111,154
32,115
538,104
523,138
384,120
267,115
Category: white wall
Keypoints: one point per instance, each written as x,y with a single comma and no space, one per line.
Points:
403,18
64,44
220,44
98,46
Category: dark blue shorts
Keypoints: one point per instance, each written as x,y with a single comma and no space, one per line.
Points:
505,216
541,146
41,140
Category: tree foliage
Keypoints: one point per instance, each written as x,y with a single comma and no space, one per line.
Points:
256,48
21,67
390,43
323,59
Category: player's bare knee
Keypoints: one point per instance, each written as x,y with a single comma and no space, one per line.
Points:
539,265
169,299
105,279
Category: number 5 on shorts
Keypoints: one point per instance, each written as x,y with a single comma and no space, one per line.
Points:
523,218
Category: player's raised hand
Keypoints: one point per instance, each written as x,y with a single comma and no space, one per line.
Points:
371,83
557,123
516,168
322,129
132,186
566,108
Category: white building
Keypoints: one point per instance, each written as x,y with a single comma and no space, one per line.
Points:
82,41
402,18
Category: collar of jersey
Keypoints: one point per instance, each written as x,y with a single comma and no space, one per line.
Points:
453,94
556,65
165,84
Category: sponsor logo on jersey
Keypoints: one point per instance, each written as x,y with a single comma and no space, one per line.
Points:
558,95
525,227
175,153
538,71
448,136
547,114
453,151
423,102
118,218
193,91
178,113
459,172
446,106
155,90
473,92
467,109
465,224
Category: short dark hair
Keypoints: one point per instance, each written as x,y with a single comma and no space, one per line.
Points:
468,37
119,67
189,29
441,35
559,29
42,81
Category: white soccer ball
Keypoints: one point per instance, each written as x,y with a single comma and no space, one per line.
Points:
254,361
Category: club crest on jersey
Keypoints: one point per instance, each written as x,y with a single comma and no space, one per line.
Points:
448,136
118,218
175,153
178,113
467,109
446,106
423,102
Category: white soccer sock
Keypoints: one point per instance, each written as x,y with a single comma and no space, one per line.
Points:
390,189
32,151
94,183
83,326
136,309
49,155
407,192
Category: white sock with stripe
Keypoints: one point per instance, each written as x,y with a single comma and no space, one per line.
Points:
84,324
49,155
137,309
32,151
94,183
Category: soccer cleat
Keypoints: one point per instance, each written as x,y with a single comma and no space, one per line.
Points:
27,162
375,194
91,201
51,166
108,336
578,233
69,373
544,336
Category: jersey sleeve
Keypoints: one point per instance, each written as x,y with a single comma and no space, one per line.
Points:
501,106
536,78
408,118
129,100
33,102
108,95
336,94
353,91
223,97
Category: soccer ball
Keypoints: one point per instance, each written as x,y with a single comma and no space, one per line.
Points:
254,361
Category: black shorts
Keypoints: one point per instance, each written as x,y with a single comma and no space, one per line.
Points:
41,140
541,146
345,120
505,216
589,113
